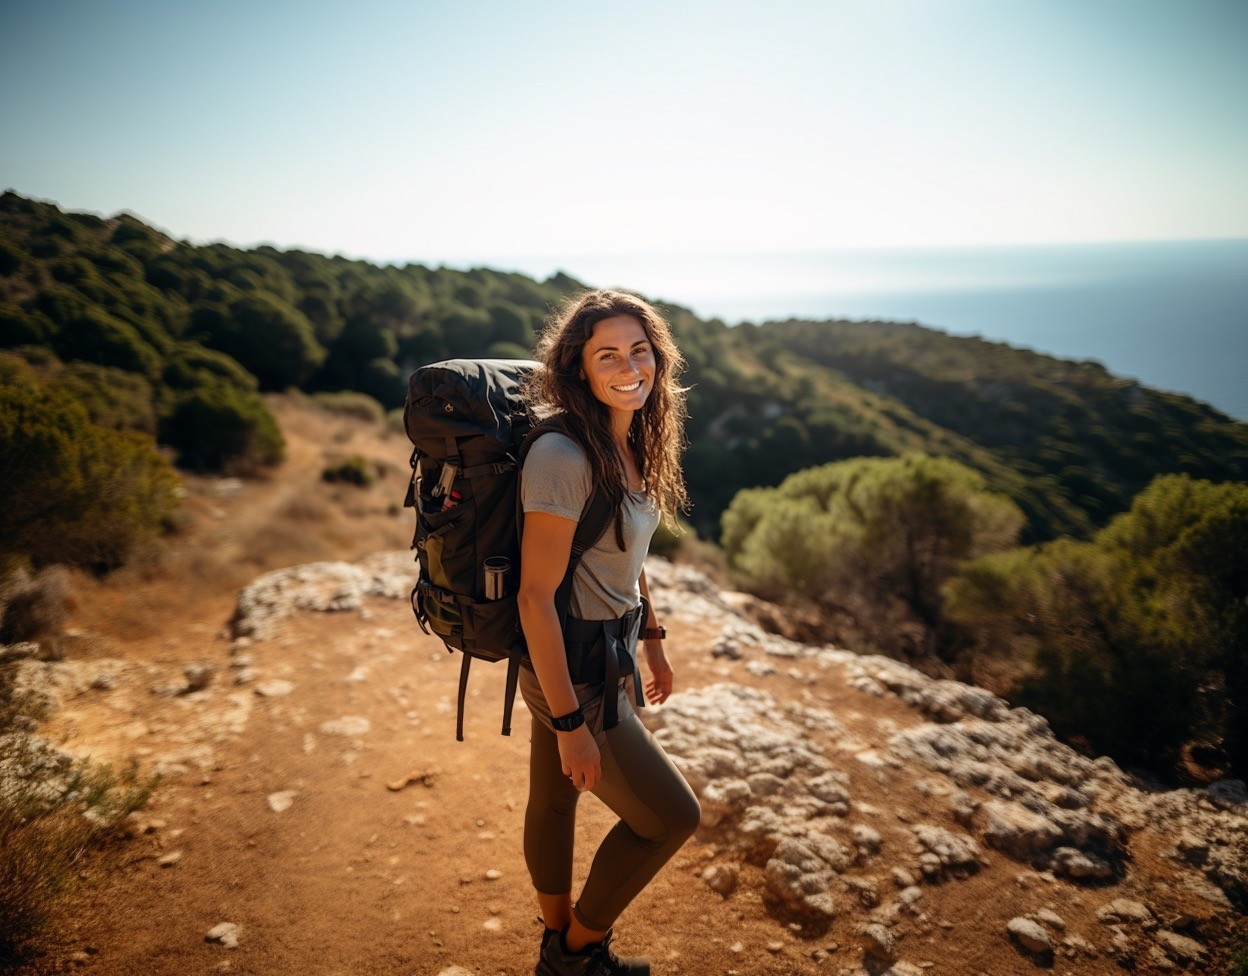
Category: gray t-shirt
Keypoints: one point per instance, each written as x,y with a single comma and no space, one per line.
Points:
557,481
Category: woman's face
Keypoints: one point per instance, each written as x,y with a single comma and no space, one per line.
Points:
618,363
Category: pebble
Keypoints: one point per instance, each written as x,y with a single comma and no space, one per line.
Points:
1124,910
1189,950
492,925
878,941
1051,918
1030,934
493,874
226,933
198,675
275,688
721,878
280,802
170,859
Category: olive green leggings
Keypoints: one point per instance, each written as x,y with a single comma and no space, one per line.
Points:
657,809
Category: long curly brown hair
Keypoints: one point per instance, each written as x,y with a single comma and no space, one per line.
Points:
657,434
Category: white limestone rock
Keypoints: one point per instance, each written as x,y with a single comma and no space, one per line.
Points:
1031,935
721,878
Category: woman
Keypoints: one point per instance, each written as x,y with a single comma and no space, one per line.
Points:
610,373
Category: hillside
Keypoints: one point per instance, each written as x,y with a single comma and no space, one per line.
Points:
176,341
859,817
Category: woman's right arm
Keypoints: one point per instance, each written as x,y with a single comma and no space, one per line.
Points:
545,548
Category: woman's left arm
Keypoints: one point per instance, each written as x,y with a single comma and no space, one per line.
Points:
659,686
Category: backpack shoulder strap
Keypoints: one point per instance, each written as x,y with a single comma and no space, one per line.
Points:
594,518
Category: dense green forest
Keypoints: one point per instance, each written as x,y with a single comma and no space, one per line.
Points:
176,342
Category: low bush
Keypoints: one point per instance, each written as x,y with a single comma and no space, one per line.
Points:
191,365
218,427
355,470
1138,638
350,404
112,397
73,492
870,541
273,341
394,421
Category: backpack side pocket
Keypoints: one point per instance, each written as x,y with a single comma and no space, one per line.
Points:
446,547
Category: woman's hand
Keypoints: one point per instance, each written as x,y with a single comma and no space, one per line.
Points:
659,685
582,762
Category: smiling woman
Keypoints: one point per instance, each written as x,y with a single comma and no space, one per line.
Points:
610,369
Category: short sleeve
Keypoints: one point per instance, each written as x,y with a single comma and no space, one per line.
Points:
556,477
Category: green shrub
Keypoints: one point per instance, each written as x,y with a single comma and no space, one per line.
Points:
364,338
394,421
355,470
350,404
218,427
507,350
73,492
271,340
11,258
382,380
1138,639
112,397
21,327
95,336
871,540
668,543
191,365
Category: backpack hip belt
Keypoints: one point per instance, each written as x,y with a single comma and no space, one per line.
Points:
600,651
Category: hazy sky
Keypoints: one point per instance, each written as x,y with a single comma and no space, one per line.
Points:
397,130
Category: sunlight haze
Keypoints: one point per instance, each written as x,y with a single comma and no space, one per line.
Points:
399,131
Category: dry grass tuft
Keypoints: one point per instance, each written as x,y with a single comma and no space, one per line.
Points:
57,816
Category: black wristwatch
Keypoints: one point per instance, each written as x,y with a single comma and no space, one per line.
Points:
654,633
569,722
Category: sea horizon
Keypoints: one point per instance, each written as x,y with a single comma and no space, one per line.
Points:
1170,314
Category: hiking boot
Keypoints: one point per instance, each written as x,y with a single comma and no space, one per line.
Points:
596,959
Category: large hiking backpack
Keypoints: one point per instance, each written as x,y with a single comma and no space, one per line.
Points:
471,433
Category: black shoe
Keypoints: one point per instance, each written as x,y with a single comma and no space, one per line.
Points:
596,959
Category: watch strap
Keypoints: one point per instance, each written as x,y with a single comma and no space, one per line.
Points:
654,633
570,722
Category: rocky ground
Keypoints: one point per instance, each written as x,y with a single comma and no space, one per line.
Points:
315,814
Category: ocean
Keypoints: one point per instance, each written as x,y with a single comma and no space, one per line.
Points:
1173,315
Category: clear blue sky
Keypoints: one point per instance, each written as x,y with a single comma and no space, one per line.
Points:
397,130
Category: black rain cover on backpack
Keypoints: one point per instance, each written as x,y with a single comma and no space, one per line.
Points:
471,432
